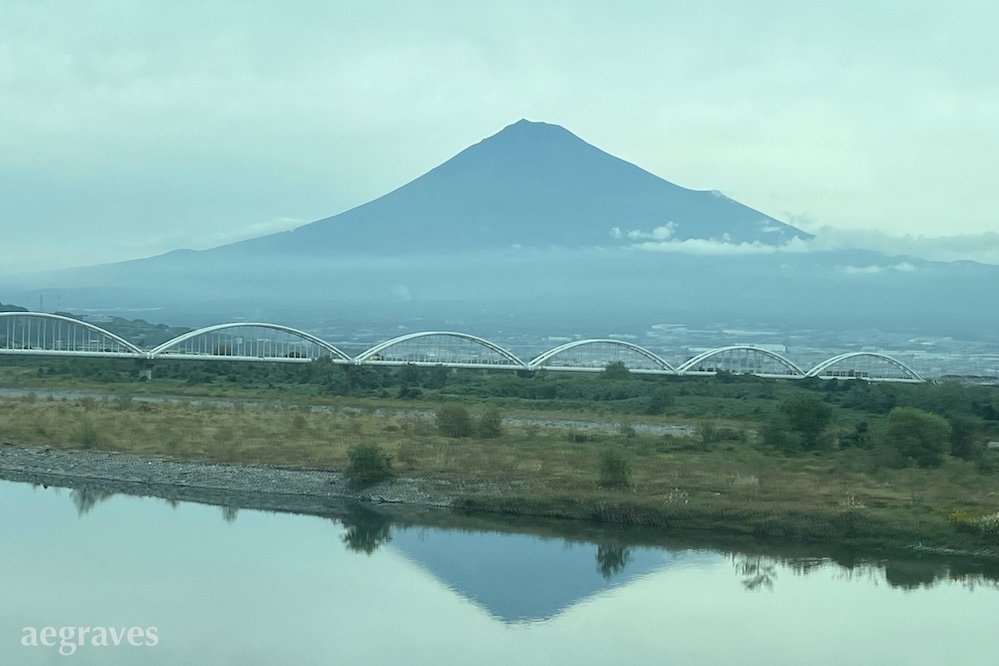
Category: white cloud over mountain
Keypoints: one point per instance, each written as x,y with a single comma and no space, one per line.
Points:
983,248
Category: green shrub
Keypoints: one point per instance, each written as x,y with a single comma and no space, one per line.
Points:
615,472
627,431
658,402
964,442
774,434
711,434
454,421
368,465
616,370
409,392
87,436
490,424
806,415
919,437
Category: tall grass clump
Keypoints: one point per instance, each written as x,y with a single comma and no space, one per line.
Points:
88,437
615,471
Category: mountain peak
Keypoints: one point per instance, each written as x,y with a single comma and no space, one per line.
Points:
532,135
525,124
532,184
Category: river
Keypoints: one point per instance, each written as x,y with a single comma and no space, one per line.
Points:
220,585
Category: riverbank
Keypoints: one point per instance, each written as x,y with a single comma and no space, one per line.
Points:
328,493
289,457
314,492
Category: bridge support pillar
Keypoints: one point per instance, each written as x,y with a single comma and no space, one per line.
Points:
145,370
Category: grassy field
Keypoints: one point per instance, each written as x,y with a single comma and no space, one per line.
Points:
729,484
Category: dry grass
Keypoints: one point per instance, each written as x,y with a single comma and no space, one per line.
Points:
539,464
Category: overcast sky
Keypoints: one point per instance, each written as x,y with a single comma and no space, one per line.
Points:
129,128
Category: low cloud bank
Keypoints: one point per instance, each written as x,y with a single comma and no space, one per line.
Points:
983,248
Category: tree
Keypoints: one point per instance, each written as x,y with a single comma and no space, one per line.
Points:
616,370
964,436
454,421
368,465
919,437
806,415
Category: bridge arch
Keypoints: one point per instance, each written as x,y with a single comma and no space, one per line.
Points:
742,359
234,342
596,354
55,335
898,371
458,350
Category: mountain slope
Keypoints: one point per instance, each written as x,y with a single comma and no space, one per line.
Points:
532,185
556,198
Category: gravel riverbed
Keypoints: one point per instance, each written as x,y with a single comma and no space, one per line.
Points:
246,486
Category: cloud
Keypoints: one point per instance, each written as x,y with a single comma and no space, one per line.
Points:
983,247
706,246
904,267
663,233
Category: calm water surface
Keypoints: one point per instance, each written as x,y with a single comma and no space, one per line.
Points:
224,586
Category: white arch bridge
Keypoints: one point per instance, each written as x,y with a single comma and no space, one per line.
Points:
42,334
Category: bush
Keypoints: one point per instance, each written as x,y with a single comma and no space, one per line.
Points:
774,434
859,438
806,415
616,370
409,392
615,472
490,424
964,436
919,437
87,437
658,402
368,465
627,431
454,421
711,434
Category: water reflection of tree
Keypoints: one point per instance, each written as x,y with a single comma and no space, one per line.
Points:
757,571
85,499
229,513
611,559
366,530
914,574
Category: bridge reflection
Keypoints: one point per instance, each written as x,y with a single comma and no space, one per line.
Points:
38,333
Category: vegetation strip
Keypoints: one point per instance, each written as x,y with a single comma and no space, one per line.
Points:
830,461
